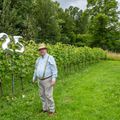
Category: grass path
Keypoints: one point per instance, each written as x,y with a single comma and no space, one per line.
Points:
93,94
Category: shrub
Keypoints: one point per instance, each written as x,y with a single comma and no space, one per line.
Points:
21,66
83,40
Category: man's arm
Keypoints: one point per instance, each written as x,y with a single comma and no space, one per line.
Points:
53,69
34,76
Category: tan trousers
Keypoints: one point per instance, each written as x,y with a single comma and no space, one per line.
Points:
46,95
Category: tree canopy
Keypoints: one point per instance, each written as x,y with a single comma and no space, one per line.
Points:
44,20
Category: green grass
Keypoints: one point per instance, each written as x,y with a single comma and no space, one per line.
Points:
93,94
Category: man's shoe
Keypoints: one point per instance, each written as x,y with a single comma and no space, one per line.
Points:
44,111
51,113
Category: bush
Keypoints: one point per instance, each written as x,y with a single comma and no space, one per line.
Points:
22,66
84,40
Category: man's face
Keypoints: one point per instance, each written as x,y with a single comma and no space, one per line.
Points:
43,51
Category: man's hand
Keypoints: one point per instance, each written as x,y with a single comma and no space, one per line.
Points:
33,81
53,82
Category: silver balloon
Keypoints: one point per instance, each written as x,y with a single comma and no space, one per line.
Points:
6,43
22,48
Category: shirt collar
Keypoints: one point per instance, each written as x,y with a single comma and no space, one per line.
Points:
46,55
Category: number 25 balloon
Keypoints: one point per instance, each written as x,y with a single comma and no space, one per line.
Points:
7,42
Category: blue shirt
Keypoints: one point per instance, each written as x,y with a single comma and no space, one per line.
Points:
51,67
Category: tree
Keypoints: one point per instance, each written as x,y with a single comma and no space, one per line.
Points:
14,16
80,18
105,14
46,24
82,22
99,30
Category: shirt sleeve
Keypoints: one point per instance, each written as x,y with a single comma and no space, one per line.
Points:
34,75
53,68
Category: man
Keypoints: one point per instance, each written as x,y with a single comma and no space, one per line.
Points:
46,73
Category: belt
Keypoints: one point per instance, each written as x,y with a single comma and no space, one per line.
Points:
46,78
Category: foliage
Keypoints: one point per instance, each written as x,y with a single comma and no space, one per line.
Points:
116,46
12,19
103,22
99,30
84,40
45,20
67,57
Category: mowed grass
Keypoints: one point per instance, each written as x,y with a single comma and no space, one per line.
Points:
91,94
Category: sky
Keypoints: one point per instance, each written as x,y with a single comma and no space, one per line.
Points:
78,3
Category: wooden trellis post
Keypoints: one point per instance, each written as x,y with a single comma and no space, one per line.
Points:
1,90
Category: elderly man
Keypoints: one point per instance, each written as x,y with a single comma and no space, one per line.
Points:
46,73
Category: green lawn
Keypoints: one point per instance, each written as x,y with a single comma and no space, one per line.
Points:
93,94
